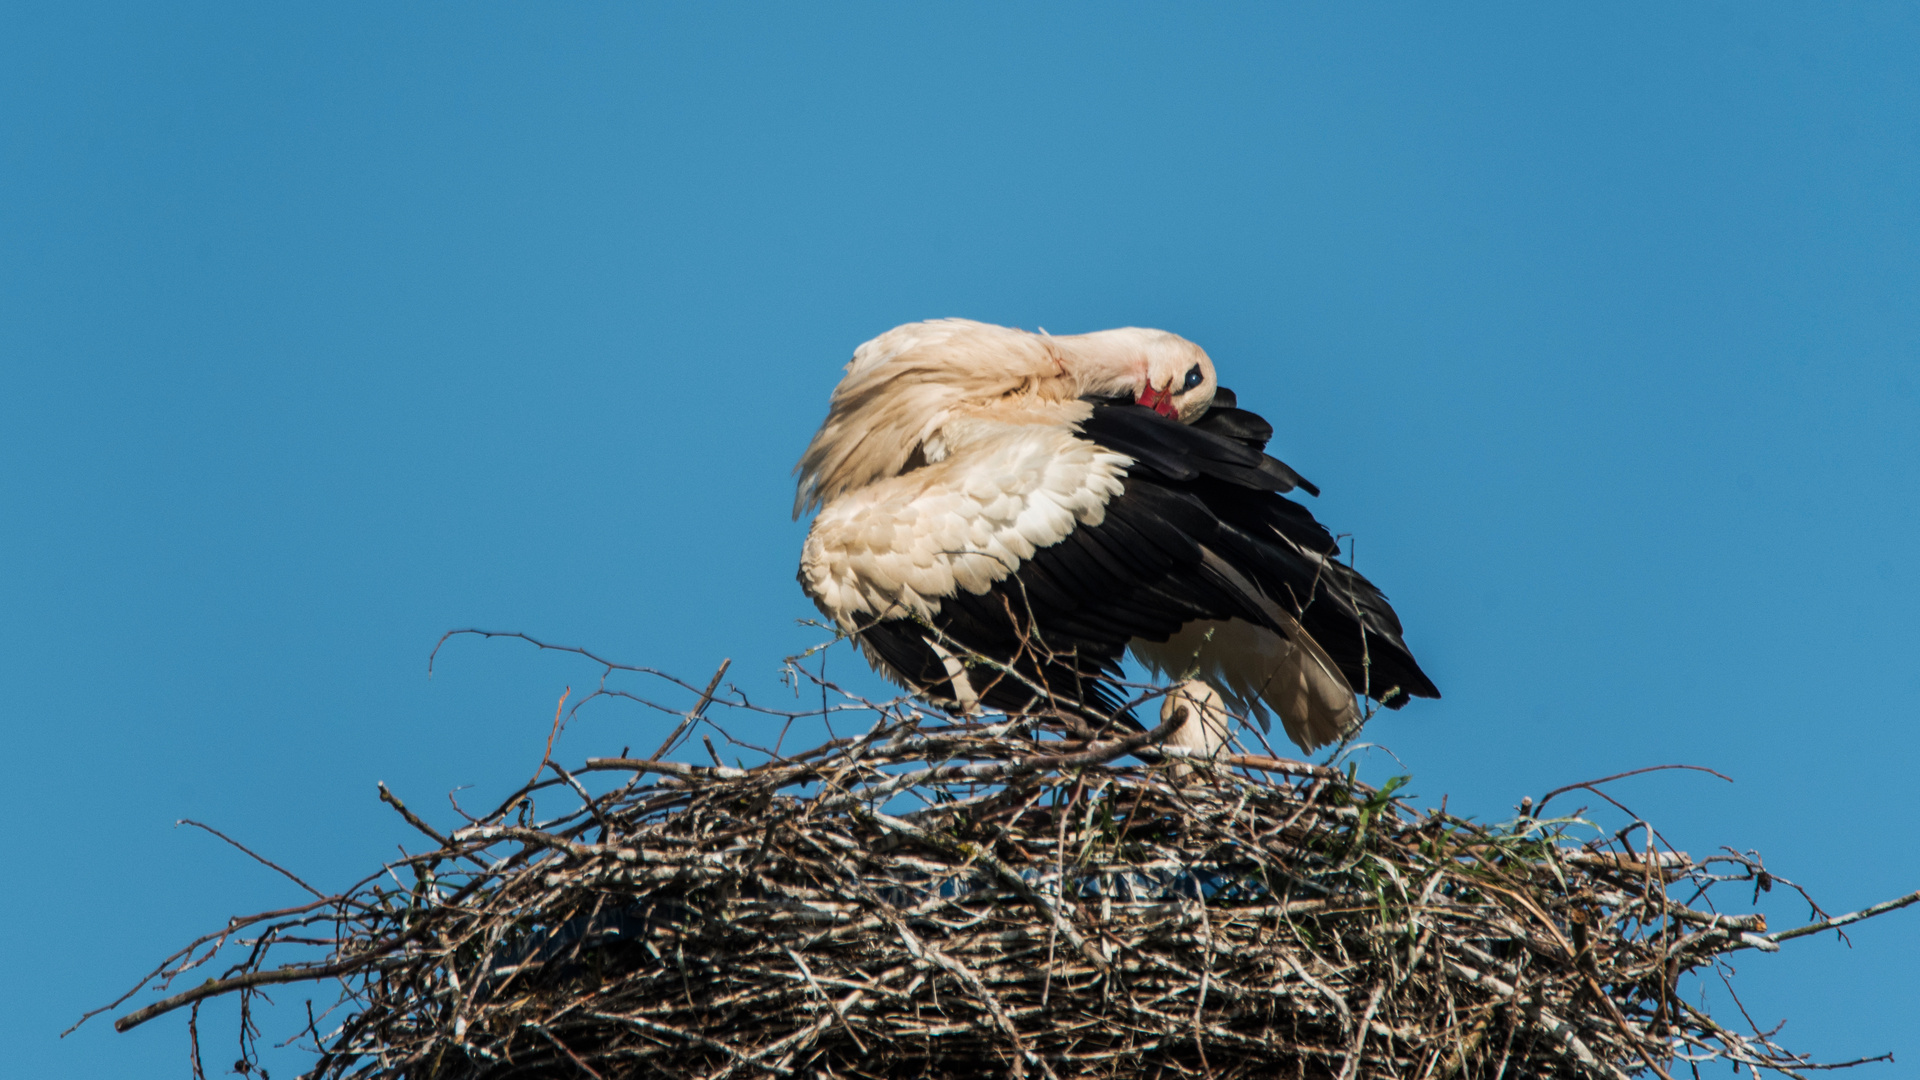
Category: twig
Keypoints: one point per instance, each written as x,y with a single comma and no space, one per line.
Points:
1592,785
1843,920
694,714
255,856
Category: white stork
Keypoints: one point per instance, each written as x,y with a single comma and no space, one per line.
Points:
1047,503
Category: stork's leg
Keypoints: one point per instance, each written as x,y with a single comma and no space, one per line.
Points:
963,691
1206,726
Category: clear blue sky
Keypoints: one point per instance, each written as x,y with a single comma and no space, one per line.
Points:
327,328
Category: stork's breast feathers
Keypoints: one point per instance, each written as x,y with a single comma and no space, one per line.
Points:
899,546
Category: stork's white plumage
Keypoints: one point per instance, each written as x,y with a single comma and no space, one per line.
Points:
1048,502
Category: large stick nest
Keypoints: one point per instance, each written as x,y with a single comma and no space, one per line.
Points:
941,898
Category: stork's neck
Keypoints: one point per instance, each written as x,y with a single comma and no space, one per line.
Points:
1099,365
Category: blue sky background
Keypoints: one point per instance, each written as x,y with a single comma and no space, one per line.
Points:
325,329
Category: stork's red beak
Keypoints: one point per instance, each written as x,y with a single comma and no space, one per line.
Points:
1160,401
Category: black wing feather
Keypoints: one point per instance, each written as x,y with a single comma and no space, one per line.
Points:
1196,492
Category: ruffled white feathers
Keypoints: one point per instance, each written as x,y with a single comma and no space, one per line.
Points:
996,492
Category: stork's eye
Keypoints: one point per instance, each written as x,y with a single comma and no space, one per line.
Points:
1194,378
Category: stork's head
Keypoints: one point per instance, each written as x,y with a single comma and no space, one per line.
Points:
1165,372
